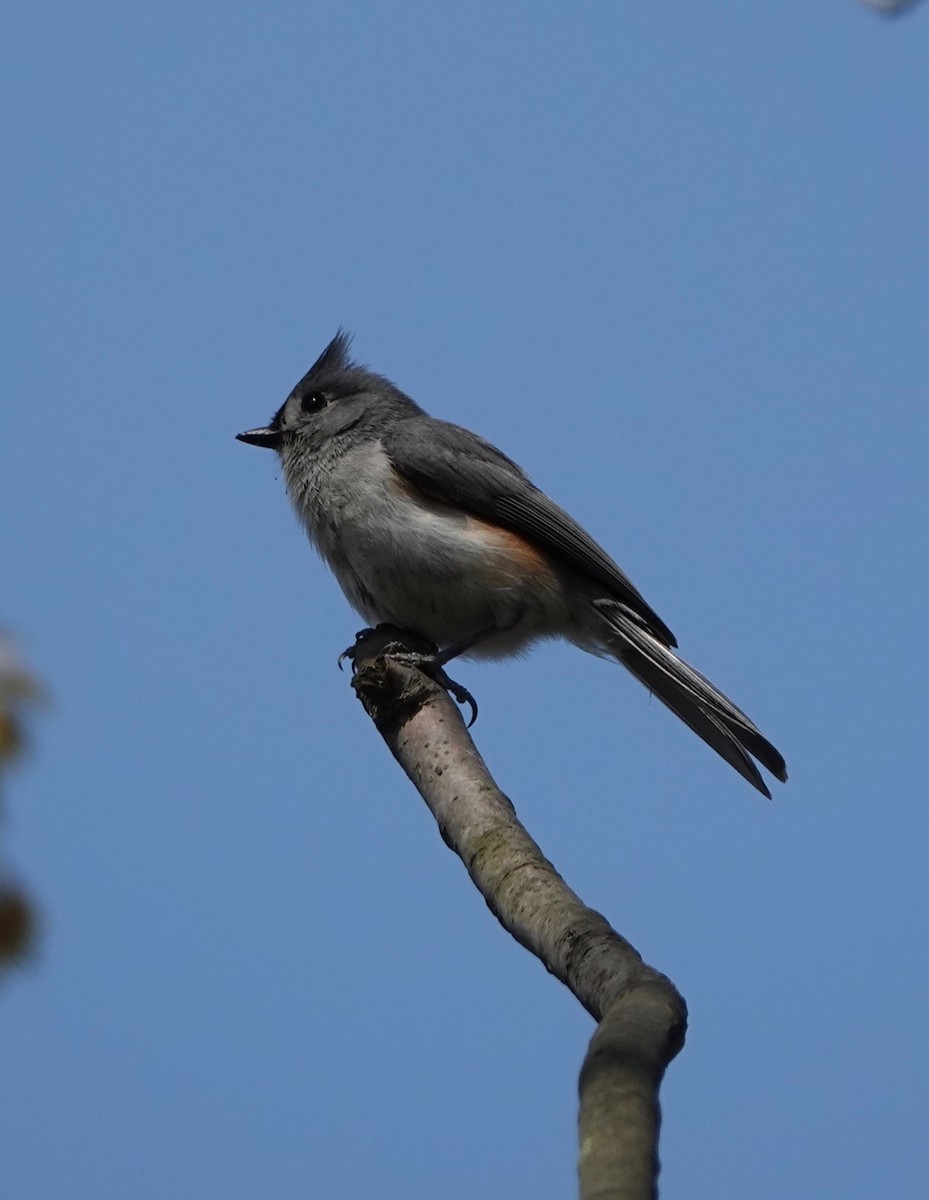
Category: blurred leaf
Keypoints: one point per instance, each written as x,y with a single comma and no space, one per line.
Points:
18,689
17,924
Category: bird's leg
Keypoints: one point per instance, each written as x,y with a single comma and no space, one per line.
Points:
444,656
430,660
433,664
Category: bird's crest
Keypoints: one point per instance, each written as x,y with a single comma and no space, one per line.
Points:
336,356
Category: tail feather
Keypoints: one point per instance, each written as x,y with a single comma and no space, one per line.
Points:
691,696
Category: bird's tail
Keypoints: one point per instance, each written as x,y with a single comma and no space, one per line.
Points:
710,714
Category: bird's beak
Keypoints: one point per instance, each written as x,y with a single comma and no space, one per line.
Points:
269,438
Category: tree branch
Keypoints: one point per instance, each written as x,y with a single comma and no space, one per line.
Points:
642,1017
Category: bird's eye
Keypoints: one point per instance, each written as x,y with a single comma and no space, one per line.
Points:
313,402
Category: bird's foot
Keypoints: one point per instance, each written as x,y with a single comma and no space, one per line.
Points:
349,651
431,665
428,659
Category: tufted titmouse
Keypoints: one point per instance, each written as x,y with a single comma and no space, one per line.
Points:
428,527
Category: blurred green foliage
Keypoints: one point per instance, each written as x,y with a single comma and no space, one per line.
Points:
19,691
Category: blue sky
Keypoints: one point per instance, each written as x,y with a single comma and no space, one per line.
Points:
674,259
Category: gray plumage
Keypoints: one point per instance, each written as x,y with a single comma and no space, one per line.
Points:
429,527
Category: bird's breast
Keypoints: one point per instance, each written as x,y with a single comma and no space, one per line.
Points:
405,557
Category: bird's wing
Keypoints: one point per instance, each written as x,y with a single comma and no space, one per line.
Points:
458,467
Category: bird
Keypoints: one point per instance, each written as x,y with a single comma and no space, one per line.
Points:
430,528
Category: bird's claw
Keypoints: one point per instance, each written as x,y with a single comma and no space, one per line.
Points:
431,665
349,652
428,660
461,693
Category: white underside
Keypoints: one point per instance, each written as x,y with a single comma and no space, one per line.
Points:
403,558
